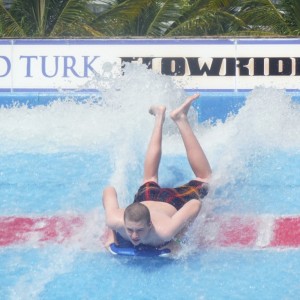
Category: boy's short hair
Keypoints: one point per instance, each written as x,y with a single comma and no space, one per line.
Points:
137,212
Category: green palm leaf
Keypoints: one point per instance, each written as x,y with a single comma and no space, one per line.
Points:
30,15
47,18
291,12
209,17
10,26
123,11
150,17
263,15
122,17
69,16
169,12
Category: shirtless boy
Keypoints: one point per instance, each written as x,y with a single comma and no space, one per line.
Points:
157,214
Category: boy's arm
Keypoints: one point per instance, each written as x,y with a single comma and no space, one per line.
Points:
180,219
113,213
109,239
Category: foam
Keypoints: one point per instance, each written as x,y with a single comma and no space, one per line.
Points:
119,123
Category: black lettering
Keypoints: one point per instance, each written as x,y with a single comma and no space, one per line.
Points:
230,66
241,63
176,63
274,66
145,60
128,59
196,70
148,62
297,59
176,66
259,66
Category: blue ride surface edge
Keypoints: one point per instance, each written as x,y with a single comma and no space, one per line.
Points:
135,251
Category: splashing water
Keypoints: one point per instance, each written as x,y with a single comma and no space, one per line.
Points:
118,122
257,148
269,121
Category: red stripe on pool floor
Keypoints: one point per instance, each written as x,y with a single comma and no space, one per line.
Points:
18,230
237,231
233,231
286,232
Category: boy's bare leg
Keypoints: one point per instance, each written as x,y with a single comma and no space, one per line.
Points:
153,154
195,153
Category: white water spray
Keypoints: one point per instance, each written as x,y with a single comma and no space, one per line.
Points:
118,123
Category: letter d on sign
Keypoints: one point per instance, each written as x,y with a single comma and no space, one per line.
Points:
5,66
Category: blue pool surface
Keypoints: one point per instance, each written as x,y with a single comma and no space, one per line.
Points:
212,105
41,274
56,158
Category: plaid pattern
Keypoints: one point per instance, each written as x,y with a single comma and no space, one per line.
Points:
151,191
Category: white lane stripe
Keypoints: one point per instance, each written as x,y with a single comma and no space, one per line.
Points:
265,230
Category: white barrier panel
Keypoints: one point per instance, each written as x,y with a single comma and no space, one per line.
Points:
194,64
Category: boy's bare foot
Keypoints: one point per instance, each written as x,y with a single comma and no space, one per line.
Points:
182,110
158,110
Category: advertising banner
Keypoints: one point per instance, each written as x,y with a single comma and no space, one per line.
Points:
193,64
